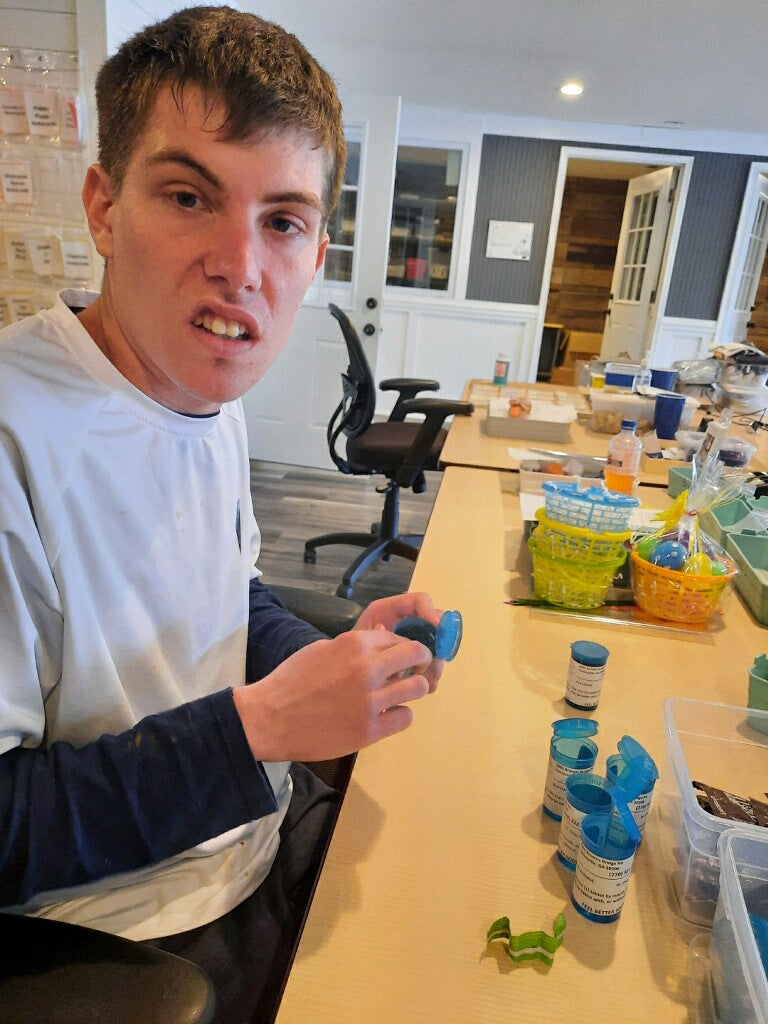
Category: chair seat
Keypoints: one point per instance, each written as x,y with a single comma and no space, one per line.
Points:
52,972
383,446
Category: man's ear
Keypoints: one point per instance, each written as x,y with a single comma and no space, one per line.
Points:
324,240
98,200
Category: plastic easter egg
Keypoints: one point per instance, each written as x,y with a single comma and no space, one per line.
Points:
644,547
670,554
718,569
698,565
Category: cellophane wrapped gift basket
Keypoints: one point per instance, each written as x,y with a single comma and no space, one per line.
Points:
680,573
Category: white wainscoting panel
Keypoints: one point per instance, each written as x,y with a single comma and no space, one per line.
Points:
681,339
452,343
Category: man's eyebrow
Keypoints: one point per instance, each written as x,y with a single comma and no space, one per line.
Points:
298,196
179,156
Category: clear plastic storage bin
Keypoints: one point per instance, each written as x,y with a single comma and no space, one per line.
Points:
738,975
714,744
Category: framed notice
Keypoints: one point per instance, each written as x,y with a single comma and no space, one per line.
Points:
509,240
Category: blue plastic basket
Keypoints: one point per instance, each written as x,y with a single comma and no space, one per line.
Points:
593,508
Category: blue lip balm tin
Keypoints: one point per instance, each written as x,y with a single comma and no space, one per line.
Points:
571,750
443,640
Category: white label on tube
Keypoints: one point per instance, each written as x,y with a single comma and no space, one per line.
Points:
640,808
600,885
584,684
569,840
554,787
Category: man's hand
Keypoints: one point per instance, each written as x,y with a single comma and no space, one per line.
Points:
387,612
337,696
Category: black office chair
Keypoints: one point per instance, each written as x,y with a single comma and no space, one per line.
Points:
52,972
399,449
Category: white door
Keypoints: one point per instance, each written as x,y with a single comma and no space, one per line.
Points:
638,263
747,278
288,411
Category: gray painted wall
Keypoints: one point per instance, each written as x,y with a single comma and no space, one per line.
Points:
517,182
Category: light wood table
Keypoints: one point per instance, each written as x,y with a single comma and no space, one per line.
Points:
467,443
441,831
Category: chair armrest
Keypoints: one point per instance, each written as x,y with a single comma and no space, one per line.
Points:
435,411
408,388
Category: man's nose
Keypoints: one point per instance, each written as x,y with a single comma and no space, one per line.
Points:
235,256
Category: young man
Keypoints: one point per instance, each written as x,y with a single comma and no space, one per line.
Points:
143,786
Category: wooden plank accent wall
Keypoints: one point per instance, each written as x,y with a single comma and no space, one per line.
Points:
585,252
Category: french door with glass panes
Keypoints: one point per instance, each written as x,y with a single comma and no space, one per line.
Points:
288,411
638,263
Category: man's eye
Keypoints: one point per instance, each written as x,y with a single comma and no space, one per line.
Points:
186,199
283,225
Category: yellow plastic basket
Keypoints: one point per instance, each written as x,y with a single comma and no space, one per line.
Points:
559,540
570,583
674,595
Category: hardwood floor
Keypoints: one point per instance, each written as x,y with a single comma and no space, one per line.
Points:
293,503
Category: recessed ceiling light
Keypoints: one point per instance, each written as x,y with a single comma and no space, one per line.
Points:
571,89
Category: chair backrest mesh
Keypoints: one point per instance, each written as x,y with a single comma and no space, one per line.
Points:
358,387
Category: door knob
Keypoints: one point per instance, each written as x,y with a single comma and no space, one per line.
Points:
369,329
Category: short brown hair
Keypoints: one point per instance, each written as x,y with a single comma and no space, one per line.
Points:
262,74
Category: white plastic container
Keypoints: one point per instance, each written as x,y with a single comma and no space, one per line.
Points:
738,975
715,744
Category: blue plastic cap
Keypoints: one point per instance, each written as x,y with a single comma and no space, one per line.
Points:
629,424
574,727
639,772
448,635
619,799
586,652
443,640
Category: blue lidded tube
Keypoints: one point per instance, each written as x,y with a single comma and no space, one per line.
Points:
571,750
443,640
633,771
608,845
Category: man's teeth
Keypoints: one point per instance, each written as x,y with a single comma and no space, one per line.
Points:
218,325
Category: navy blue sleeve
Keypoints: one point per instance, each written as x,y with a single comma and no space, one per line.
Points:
274,633
71,815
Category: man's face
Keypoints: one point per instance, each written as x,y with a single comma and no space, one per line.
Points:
210,246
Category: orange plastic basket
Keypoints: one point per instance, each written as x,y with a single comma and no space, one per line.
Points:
674,595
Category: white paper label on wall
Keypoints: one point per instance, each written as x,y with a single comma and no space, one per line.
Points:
22,304
42,113
13,113
16,182
45,253
17,253
76,257
509,240
70,119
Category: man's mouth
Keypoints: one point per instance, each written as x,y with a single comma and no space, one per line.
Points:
223,328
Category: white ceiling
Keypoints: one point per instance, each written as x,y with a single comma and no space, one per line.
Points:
689,64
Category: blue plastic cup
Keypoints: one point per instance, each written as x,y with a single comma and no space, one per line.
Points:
667,415
663,379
